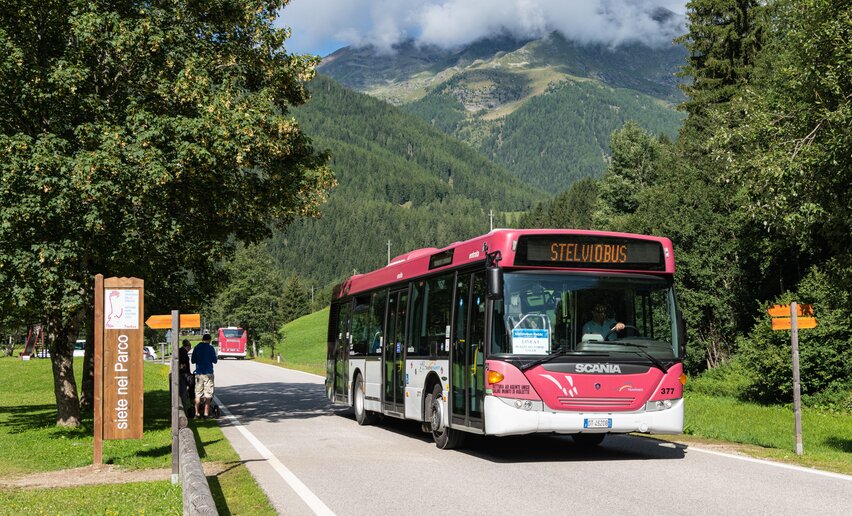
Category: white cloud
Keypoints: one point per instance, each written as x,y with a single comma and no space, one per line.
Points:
319,26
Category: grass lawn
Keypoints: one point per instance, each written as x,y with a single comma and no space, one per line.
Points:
826,436
304,345
31,443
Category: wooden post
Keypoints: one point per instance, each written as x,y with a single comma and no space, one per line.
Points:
797,388
174,376
99,369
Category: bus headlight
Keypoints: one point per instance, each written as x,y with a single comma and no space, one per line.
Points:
653,406
523,404
530,405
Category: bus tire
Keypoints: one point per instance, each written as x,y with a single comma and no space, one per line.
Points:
362,415
446,438
588,439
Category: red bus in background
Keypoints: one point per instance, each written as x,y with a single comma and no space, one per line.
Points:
515,332
232,342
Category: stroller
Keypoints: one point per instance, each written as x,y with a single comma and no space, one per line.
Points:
189,402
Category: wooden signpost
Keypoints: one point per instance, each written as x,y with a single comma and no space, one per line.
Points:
792,317
174,322
119,389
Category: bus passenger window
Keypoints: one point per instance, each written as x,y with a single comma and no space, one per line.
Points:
377,322
361,332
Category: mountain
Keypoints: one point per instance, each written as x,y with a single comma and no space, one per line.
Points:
542,108
399,179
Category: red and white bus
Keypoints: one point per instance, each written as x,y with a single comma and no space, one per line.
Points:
490,336
232,342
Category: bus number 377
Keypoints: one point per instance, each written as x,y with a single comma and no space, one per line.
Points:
515,332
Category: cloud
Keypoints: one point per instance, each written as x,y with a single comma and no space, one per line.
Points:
322,25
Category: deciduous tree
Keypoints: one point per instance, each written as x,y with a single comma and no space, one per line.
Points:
142,139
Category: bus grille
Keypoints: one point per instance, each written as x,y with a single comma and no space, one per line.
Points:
596,402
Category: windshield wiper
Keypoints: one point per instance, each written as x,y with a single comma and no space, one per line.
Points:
543,360
654,360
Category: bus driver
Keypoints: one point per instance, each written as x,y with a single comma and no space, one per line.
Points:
606,328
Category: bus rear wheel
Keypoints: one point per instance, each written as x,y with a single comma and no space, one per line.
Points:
446,438
362,415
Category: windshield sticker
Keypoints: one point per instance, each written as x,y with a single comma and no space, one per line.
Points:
530,342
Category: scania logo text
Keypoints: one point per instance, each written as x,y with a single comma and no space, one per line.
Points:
597,368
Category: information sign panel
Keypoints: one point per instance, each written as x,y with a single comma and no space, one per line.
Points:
123,359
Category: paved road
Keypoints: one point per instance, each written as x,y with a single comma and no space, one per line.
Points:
314,458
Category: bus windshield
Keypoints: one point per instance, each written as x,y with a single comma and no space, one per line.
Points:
233,333
542,313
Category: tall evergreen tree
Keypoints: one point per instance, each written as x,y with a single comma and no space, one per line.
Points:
296,301
723,40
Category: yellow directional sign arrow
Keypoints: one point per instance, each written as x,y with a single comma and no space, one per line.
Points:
784,323
164,322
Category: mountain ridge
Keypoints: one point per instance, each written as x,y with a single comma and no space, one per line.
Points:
543,108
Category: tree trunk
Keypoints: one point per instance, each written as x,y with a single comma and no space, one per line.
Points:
87,396
61,337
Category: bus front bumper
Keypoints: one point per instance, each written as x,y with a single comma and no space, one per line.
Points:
503,418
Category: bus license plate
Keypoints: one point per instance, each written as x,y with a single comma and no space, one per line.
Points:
597,423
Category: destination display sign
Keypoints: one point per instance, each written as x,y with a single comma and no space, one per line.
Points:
584,251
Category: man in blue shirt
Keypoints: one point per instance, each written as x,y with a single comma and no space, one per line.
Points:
204,356
600,325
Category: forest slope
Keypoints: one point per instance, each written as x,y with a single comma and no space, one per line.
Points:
399,180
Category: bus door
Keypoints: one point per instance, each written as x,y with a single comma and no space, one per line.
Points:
341,362
393,353
467,383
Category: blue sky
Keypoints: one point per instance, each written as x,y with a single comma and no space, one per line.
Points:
322,26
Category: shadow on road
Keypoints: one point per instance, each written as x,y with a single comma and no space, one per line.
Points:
277,401
541,447
561,448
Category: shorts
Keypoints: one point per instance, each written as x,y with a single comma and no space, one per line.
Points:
204,386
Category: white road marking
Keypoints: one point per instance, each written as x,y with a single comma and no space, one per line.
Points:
301,489
838,476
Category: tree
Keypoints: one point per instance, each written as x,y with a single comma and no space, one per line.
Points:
142,139
724,38
792,154
297,299
573,208
636,158
252,297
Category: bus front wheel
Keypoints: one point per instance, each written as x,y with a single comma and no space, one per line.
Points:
446,438
362,415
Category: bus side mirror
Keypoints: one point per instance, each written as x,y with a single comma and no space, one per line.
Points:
494,278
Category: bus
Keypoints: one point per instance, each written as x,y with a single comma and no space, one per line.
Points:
493,336
232,342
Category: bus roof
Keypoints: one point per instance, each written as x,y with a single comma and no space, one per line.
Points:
539,249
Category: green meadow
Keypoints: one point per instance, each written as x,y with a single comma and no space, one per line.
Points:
30,443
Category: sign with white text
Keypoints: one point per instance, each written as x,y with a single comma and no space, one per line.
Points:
123,358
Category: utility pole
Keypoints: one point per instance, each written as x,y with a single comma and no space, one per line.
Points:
388,252
491,219
312,295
